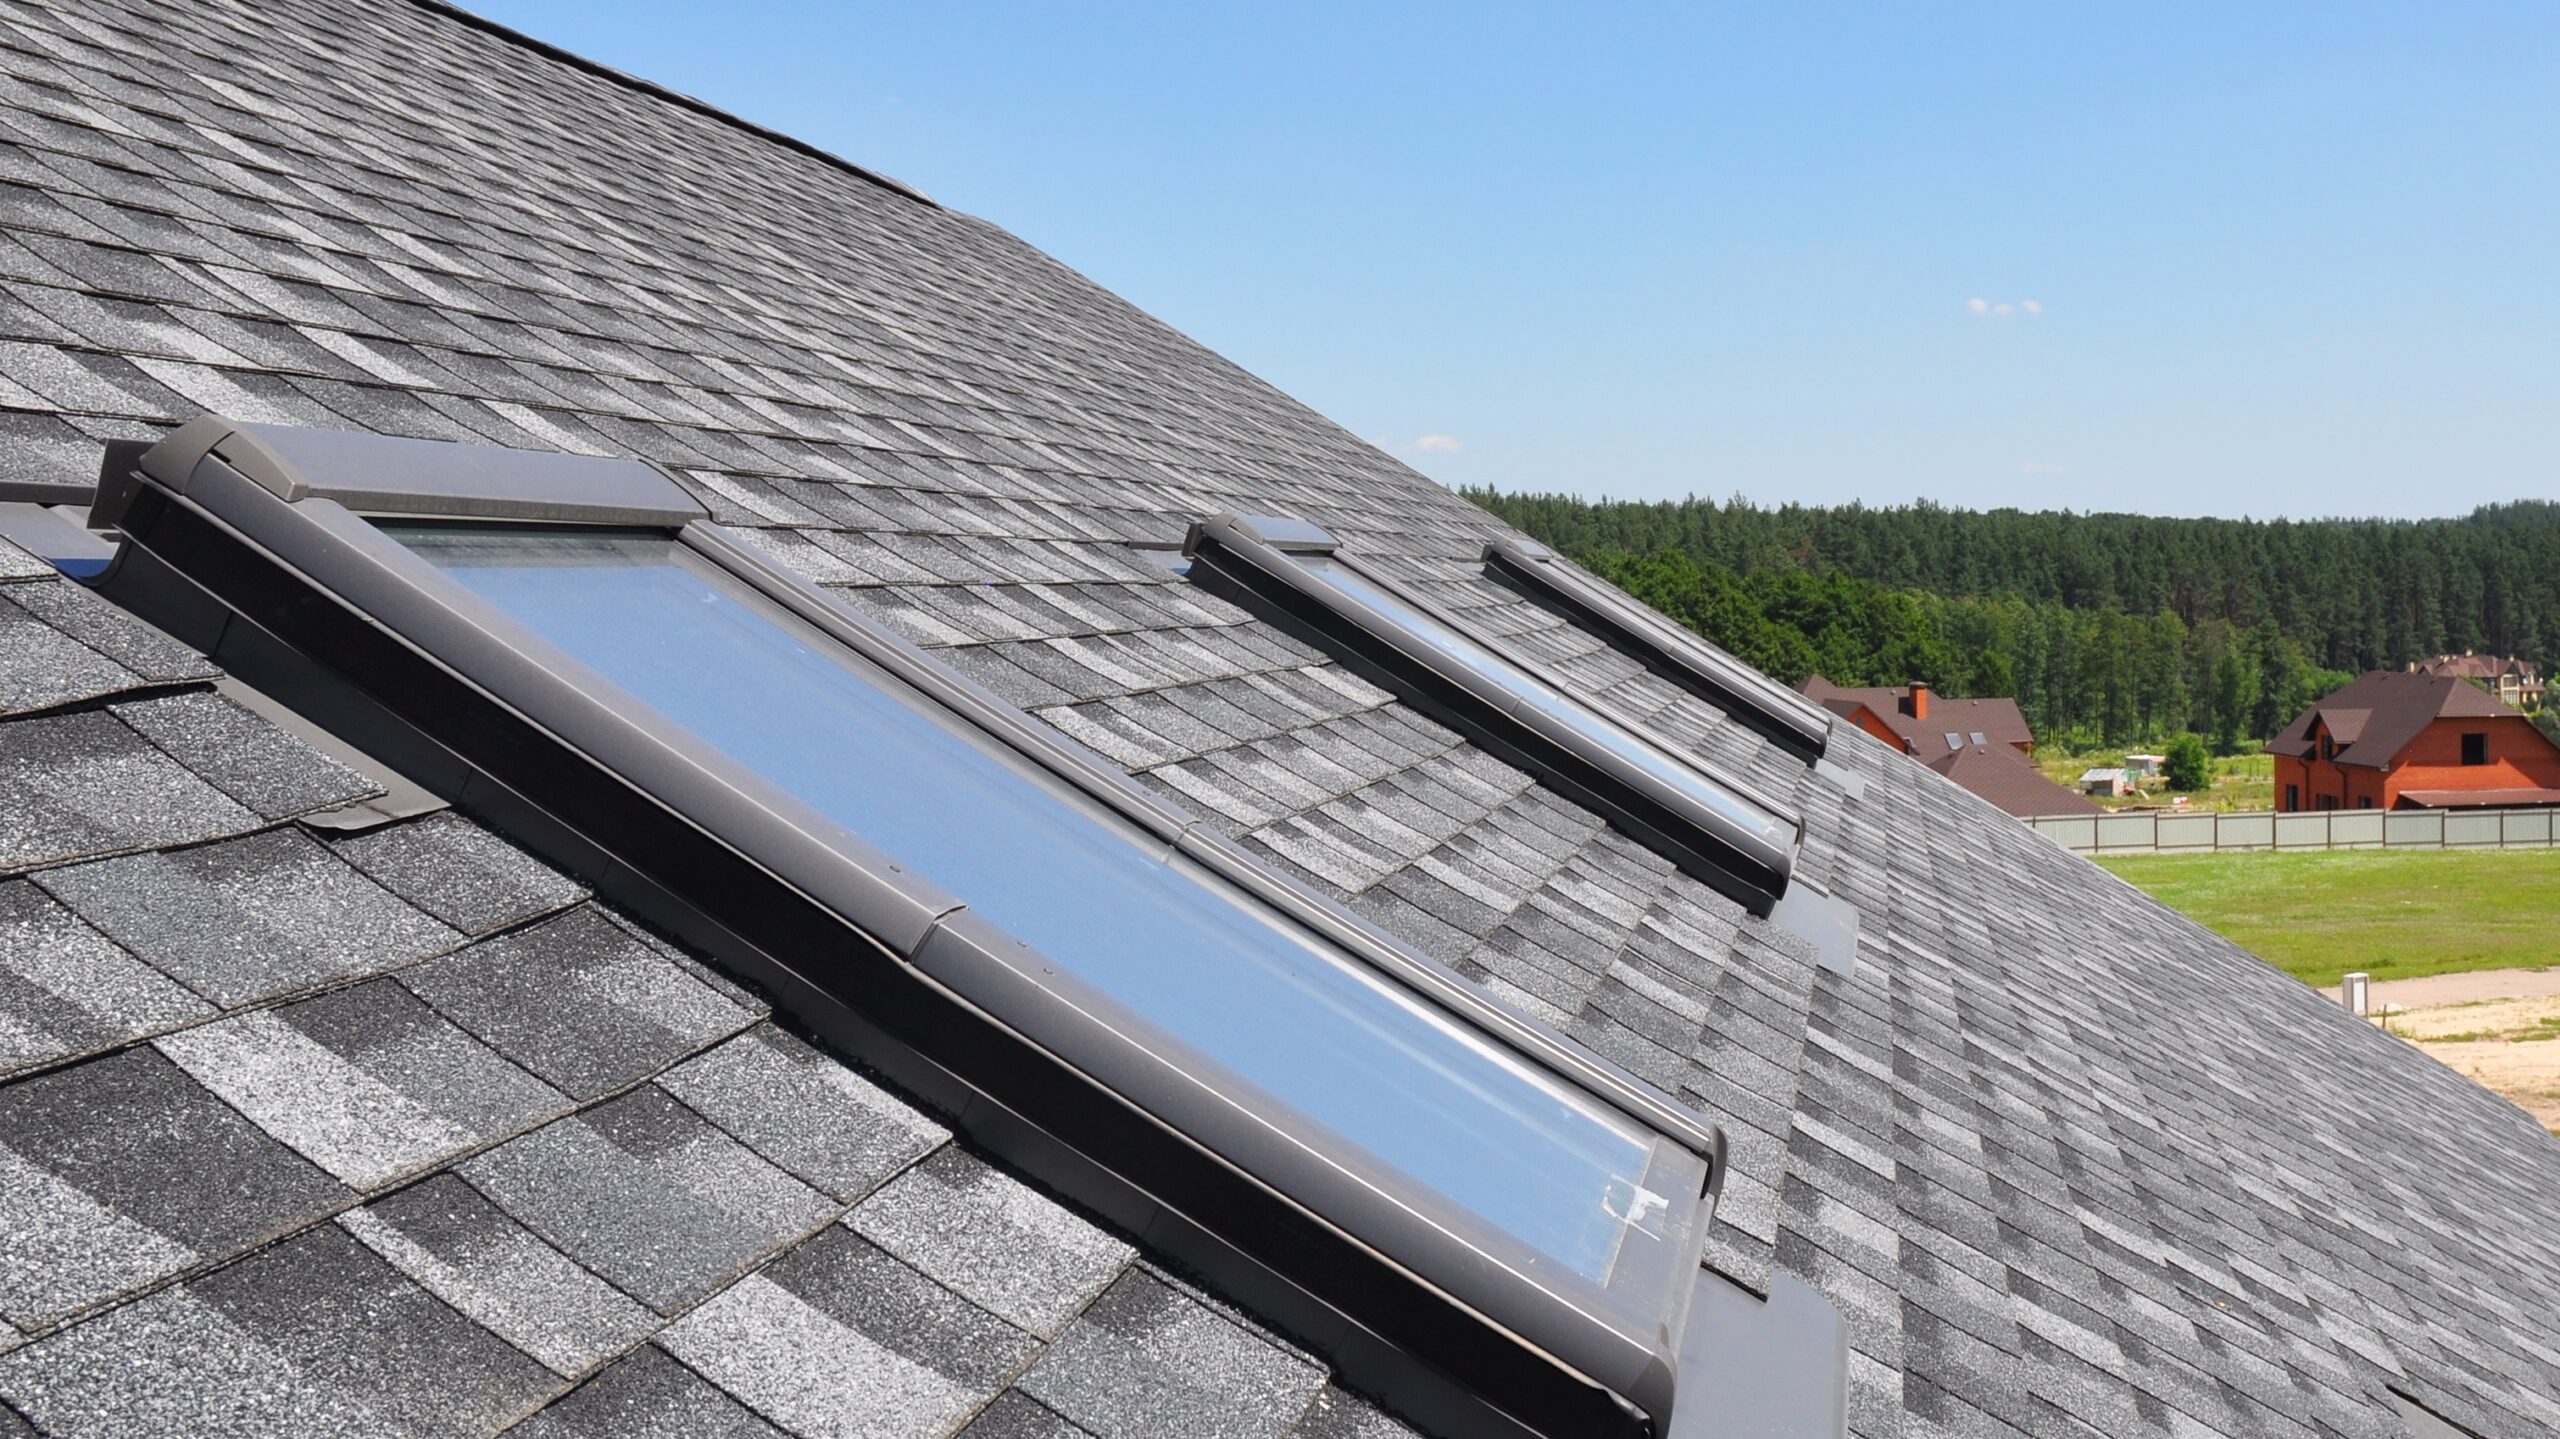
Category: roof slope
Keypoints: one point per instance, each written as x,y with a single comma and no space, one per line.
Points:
2009,780
2065,1162
2376,714
1997,720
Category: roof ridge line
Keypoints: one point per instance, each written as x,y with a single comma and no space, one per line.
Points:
678,98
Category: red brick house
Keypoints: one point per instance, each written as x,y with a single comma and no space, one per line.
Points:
1917,721
2392,740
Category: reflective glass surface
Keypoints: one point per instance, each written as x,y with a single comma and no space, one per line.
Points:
1557,705
1321,1032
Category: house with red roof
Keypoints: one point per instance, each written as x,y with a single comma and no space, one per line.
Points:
1982,744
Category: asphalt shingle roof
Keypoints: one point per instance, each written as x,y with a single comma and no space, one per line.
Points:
403,1133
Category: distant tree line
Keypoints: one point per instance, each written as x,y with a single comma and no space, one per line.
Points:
2108,629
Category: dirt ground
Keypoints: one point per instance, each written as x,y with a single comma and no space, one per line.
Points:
2499,1027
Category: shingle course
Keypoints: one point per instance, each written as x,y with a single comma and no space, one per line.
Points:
248,919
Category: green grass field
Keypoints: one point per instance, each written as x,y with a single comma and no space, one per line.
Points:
2394,914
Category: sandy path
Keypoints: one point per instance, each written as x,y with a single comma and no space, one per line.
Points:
2480,984
2499,1028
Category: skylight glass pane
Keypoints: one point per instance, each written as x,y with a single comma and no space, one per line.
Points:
1557,705
1319,1031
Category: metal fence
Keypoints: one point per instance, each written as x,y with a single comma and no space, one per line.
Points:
2171,832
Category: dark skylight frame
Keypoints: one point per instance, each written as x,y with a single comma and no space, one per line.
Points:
1750,698
261,546
1715,829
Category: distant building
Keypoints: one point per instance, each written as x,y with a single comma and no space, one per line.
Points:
1980,744
2107,783
2513,680
2145,765
2404,740
1918,721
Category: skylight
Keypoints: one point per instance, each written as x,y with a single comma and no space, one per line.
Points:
1467,1210
1749,697
1332,1039
1714,828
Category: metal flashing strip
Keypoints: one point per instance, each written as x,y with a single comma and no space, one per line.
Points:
1842,778
45,492
1774,1368
49,535
1431,1305
1714,828
1825,921
400,798
1747,696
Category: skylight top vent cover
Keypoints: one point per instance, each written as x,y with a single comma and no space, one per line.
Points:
1467,1210
1712,827
1750,698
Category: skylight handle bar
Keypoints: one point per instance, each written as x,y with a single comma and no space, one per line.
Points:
1752,699
1231,557
1107,782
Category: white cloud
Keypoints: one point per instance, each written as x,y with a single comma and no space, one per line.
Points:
1437,445
2032,307
1978,305
2002,308
2040,467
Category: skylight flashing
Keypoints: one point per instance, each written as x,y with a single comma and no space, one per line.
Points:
1748,697
1335,1244
1714,828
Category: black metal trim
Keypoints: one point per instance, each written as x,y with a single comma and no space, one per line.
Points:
1231,558
1749,698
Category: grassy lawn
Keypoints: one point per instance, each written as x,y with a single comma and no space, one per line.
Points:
2393,914
2240,781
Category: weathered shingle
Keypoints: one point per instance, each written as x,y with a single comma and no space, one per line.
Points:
248,919
803,1111
459,872
315,1336
458,1246
645,1193
577,1000
77,785
838,1338
123,1171
1147,1358
66,989
368,1083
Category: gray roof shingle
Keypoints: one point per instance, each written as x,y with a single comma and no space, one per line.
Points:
2064,1162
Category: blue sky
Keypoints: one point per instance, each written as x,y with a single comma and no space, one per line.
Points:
2294,260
